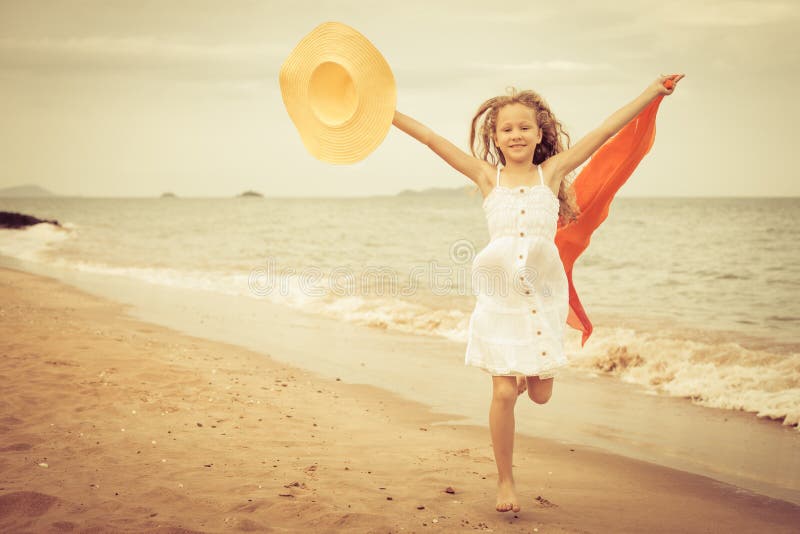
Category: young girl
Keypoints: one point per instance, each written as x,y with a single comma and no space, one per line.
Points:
519,163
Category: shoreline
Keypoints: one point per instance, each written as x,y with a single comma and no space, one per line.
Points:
592,410
217,436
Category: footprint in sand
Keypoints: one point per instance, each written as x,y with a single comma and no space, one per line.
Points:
544,502
17,447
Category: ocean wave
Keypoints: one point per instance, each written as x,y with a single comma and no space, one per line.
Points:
719,375
326,296
316,295
32,242
402,316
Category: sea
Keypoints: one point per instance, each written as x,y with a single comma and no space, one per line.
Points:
689,297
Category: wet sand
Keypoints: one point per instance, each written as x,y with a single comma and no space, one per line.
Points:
111,423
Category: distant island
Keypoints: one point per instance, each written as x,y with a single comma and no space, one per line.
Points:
168,195
436,191
28,190
251,194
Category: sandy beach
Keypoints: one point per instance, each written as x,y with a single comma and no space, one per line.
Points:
110,424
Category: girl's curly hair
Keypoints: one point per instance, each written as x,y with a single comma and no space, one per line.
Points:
554,140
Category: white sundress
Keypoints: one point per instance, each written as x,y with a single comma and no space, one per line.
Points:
522,294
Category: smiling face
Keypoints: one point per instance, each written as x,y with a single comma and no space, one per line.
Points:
517,132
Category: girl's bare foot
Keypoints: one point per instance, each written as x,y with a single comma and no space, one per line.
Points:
522,385
506,497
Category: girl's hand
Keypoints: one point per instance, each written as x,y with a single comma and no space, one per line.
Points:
665,84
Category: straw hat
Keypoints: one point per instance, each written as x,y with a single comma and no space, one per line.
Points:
339,92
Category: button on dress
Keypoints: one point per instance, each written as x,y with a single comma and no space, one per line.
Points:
522,294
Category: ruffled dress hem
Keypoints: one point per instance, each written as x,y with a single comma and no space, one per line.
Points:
544,375
503,359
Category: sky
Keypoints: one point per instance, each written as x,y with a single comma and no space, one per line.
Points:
136,98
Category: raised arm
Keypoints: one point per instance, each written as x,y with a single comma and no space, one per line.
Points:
570,159
473,168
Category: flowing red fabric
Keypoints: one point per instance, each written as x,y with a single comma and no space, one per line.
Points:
595,187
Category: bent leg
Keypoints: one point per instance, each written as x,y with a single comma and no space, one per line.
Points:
540,390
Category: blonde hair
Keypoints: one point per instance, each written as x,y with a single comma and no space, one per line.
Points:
554,140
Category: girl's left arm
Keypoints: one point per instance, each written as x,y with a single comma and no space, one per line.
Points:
567,161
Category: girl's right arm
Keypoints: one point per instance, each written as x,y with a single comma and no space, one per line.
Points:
473,168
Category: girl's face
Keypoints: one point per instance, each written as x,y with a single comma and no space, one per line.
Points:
517,132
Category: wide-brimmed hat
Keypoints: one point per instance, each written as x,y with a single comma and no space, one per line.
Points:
339,92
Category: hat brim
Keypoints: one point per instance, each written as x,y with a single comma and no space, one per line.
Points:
368,107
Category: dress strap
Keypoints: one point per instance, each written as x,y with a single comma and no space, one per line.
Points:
498,175
541,178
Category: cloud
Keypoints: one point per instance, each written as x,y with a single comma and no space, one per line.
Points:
724,14
550,66
100,53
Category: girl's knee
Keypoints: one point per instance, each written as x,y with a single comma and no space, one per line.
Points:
539,398
540,391
504,389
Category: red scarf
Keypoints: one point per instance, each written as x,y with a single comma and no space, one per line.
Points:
595,188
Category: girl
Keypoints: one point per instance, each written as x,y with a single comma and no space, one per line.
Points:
519,163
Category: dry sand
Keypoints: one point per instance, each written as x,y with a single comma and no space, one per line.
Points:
111,424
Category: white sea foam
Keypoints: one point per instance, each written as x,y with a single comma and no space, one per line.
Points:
31,242
720,375
403,316
291,290
386,313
